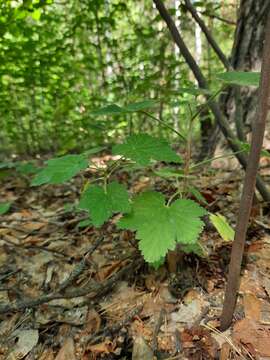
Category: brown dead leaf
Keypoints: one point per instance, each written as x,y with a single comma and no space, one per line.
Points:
108,270
123,300
31,240
141,184
47,354
26,340
252,306
225,352
253,335
33,226
106,347
251,283
202,340
139,328
93,323
265,313
67,351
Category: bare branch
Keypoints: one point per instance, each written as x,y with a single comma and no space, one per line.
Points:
208,35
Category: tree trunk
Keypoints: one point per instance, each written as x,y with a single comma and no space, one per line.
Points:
246,55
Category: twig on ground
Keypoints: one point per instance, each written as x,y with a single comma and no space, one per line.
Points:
113,329
78,270
92,291
156,331
178,345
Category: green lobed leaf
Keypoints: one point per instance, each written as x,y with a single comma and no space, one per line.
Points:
4,207
102,205
60,169
159,227
143,148
240,78
222,226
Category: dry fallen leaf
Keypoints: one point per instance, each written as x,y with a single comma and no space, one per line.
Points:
106,347
253,335
26,340
252,306
141,351
67,351
47,354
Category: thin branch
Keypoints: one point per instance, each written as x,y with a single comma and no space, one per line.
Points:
92,291
208,35
79,269
249,187
220,119
164,124
214,16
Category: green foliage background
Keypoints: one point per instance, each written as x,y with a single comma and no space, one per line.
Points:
60,60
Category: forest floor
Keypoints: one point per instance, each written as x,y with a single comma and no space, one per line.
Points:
70,292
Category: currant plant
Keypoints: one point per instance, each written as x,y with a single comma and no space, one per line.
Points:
159,223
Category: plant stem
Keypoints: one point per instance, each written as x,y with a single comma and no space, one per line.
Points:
215,158
188,152
164,124
248,188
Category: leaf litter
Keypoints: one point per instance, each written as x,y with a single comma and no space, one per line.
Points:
84,293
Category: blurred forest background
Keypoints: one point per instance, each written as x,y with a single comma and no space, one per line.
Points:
60,60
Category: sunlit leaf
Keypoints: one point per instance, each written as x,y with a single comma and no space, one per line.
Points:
222,226
61,169
143,148
4,207
159,227
102,205
240,78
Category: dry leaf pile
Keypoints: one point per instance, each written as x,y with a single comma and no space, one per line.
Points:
71,293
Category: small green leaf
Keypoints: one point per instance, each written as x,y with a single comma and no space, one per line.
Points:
141,105
240,78
198,196
7,165
246,148
159,227
94,150
143,148
36,14
60,169
222,226
114,109
4,207
102,205
27,168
